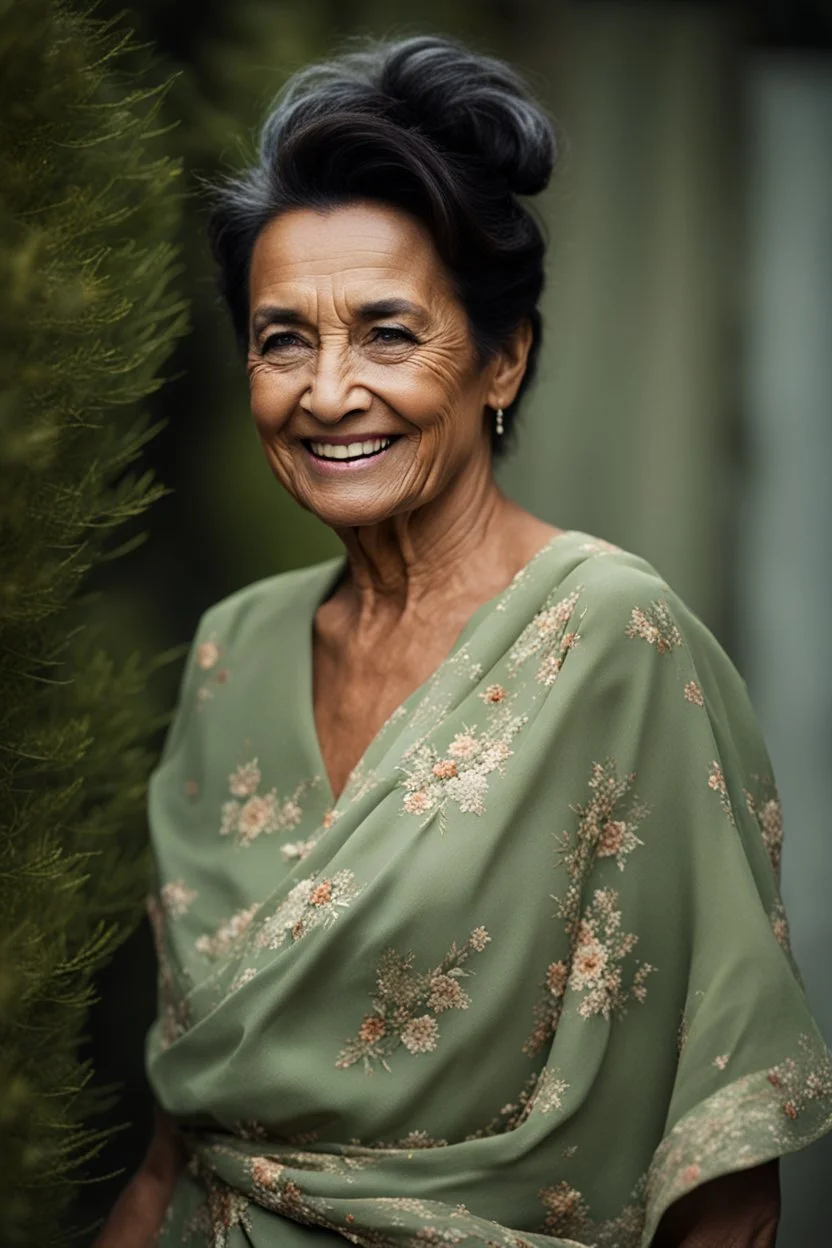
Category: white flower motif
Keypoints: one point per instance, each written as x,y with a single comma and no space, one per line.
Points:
218,944
228,823
291,813
549,1093
296,849
420,1034
693,694
468,791
176,897
245,780
255,816
207,655
245,977
446,994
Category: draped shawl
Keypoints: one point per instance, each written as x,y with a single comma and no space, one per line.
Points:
527,981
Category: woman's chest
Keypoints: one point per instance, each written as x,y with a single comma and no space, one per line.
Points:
354,695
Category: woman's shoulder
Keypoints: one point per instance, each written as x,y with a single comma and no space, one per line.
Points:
611,576
624,597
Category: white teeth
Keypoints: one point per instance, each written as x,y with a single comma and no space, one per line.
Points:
352,450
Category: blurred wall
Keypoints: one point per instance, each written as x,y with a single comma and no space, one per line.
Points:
784,569
630,434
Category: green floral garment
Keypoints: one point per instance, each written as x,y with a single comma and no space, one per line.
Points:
527,981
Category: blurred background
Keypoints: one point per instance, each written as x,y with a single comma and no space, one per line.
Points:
684,406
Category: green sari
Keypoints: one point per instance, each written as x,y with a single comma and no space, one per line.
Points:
527,981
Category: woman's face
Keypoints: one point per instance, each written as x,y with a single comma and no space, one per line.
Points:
360,348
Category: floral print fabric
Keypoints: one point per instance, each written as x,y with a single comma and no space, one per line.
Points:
527,981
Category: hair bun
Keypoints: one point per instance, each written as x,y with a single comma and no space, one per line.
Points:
472,105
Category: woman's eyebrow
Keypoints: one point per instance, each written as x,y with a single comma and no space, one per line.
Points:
378,309
374,310
271,312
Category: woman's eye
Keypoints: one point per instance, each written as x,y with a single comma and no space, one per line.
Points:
392,333
276,341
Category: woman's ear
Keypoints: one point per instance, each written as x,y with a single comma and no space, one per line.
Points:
509,367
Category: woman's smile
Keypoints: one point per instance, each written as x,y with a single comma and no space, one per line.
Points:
347,453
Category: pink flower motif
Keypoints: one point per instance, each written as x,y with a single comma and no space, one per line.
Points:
556,977
463,745
589,961
716,780
691,1174
372,1029
612,837
265,1173
254,817
416,802
445,769
207,655
321,894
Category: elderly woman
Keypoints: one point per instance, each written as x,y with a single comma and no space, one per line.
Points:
467,841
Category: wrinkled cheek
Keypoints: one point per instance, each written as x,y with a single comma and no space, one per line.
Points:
271,404
270,417
284,468
446,441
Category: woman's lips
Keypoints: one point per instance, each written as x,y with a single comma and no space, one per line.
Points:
336,467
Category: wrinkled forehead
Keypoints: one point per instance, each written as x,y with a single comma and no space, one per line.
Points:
352,254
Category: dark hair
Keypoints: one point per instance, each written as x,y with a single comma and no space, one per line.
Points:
425,125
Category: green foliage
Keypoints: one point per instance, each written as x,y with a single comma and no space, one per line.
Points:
88,216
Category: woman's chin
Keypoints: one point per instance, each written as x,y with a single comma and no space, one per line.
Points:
356,500
350,513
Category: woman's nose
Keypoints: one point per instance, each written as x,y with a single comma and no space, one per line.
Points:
334,388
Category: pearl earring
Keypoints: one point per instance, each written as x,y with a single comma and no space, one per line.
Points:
499,422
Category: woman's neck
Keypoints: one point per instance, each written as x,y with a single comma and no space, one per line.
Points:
458,550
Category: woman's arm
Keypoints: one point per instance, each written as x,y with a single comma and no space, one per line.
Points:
739,1210
137,1215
